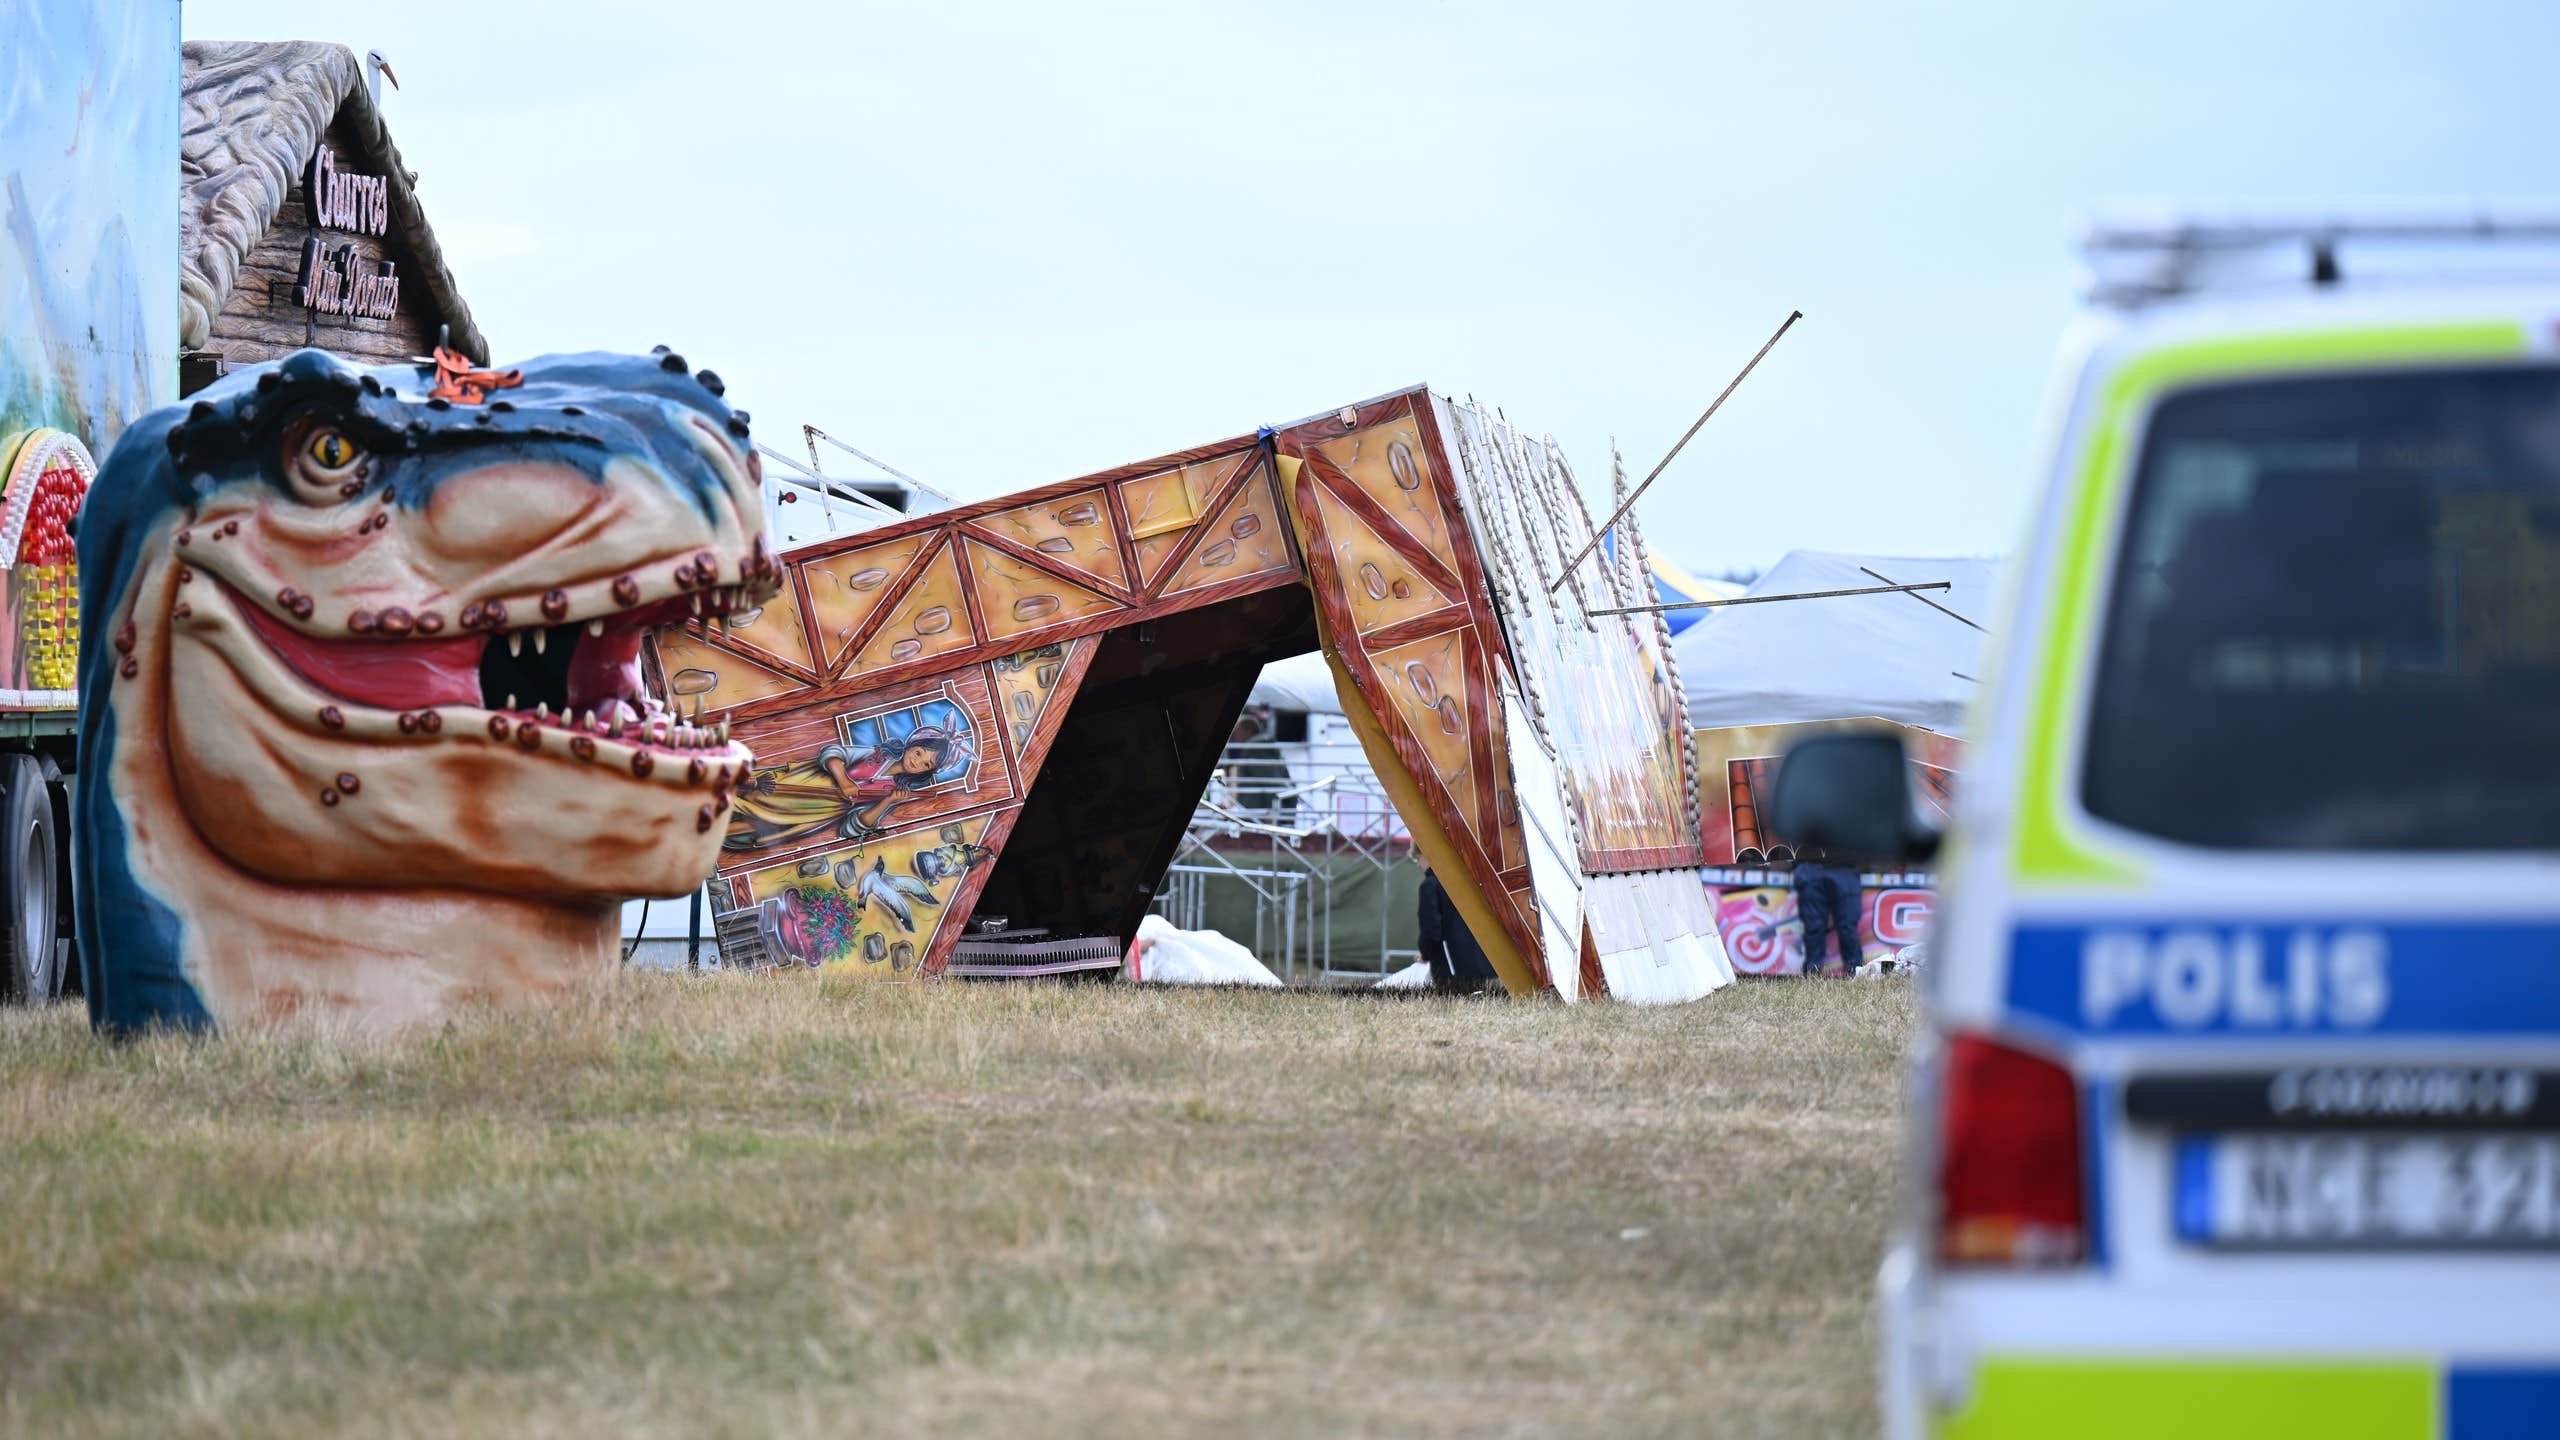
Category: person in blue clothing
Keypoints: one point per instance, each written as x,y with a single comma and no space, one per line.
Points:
1458,963
1829,898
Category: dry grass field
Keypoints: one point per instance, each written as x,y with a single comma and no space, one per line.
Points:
741,1207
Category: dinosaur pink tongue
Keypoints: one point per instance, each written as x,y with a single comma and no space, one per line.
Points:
409,674
605,668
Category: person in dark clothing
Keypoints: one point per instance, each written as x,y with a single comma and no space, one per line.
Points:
1458,963
1828,899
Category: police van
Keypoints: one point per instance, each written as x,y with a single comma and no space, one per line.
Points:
2237,1106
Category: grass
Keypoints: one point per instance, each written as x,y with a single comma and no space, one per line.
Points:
745,1207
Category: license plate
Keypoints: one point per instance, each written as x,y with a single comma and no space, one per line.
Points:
2369,1190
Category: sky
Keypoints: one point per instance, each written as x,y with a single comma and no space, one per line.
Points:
999,245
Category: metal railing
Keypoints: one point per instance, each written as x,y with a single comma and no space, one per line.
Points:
1283,823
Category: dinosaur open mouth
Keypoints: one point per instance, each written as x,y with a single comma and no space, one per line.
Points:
583,675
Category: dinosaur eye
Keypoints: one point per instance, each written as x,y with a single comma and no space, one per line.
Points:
329,450
325,462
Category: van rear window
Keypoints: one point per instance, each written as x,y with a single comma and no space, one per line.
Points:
2336,618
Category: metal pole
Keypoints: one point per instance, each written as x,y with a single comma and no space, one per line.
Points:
1765,599
1629,503
693,934
813,435
1925,600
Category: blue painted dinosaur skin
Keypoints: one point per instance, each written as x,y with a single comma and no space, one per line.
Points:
363,729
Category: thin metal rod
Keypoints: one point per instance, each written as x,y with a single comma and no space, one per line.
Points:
813,435
1923,599
1630,502
827,487
1765,599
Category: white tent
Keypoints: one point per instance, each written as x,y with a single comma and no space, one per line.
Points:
1301,682
1848,656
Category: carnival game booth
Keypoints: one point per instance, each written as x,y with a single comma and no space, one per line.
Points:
982,734
1763,676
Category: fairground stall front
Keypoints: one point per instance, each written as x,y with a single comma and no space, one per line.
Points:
1765,675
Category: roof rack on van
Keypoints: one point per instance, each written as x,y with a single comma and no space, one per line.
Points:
2136,259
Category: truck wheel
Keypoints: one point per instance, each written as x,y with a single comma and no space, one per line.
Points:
28,884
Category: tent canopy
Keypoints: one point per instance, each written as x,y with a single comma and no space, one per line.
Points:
1301,682
1837,659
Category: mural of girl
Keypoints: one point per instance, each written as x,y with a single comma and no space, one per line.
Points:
842,792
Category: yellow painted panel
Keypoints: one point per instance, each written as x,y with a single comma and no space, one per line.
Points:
1389,465
1074,531
1379,585
932,618
718,678
1154,551
775,629
1244,538
1017,599
845,589
1169,500
1025,685
871,909
1427,683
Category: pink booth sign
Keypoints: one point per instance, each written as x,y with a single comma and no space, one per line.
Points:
1761,932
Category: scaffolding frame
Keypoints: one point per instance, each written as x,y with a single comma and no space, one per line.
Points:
1309,803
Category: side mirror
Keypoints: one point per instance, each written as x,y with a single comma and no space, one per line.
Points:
1851,794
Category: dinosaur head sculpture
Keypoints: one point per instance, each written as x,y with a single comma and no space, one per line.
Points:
362,719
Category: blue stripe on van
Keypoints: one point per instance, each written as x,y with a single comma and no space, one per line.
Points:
2486,1403
2288,978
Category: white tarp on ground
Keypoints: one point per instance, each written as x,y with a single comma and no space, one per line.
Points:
1850,656
1165,955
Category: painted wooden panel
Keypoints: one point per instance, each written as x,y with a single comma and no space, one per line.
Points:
1409,621
1017,598
774,632
1426,681
866,830
844,591
873,909
1382,584
929,617
1169,500
1245,537
699,671
1388,464
1073,530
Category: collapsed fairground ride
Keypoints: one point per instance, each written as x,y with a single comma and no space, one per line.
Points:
984,733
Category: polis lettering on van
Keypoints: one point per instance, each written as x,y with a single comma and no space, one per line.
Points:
2236,979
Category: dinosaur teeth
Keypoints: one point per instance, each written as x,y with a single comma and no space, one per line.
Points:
511,699
594,628
541,709
515,646
538,640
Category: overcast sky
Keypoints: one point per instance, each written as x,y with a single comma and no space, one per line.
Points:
999,245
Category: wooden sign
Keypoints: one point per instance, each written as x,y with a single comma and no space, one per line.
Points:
342,279
340,201
335,280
